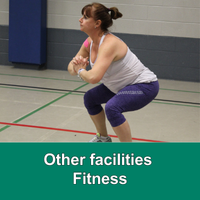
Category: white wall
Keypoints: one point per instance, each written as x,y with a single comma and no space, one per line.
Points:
4,12
179,18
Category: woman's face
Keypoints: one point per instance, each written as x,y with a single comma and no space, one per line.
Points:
86,23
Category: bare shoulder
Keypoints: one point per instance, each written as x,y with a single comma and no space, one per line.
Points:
111,38
114,41
116,45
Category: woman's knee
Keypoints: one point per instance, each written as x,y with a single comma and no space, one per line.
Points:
87,98
91,104
114,115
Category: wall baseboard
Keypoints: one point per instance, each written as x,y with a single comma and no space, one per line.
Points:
172,58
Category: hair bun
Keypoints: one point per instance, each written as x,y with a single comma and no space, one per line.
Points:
115,14
100,12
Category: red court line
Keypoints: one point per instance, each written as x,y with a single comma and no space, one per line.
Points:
68,130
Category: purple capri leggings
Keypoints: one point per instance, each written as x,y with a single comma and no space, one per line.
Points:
130,98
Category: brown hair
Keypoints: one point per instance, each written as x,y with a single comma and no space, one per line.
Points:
100,12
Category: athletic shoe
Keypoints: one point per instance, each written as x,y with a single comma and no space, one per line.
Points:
99,138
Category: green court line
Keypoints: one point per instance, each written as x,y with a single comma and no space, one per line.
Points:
34,90
79,94
155,101
175,104
38,77
179,90
33,112
81,81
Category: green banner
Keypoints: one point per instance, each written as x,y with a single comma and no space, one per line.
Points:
99,171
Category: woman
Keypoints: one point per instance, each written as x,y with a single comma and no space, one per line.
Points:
127,85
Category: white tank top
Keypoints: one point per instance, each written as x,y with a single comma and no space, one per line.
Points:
126,71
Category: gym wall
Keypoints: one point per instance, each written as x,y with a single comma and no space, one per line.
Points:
164,34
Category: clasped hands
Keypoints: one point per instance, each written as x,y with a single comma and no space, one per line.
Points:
79,62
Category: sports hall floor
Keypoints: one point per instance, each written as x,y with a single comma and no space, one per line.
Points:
47,106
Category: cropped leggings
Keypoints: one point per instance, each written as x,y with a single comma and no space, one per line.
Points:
130,98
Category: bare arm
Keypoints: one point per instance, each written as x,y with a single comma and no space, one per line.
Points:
106,54
84,52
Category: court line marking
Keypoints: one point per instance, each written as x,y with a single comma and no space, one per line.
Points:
25,76
175,104
42,107
73,131
34,90
80,94
174,101
83,92
12,124
38,77
41,88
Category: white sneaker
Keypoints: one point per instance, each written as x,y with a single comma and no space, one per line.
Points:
99,138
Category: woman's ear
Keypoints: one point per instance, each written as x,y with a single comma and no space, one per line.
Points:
98,23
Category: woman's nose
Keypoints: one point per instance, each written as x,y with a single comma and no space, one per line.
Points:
80,19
